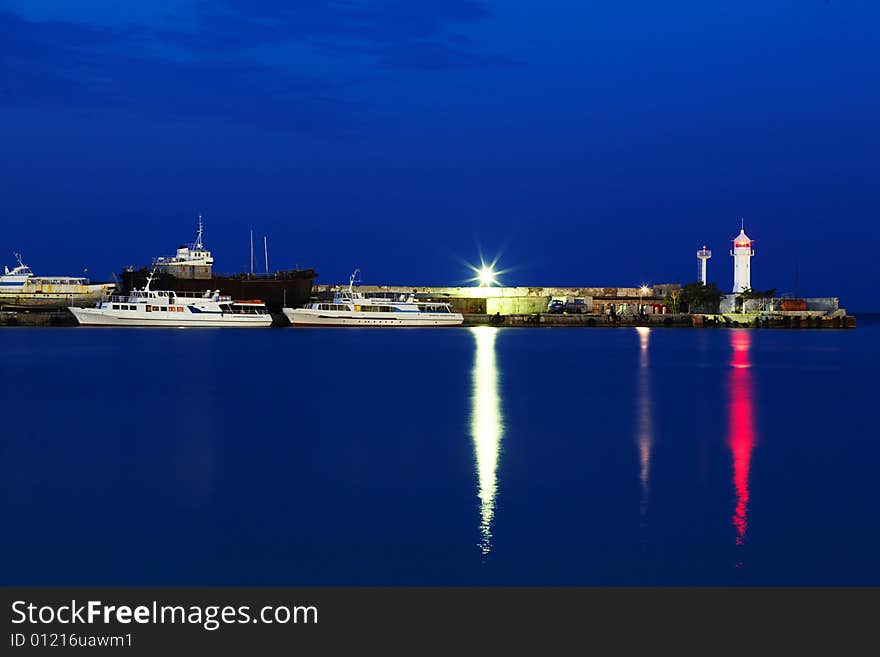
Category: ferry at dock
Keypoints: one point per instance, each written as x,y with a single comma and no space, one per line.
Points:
21,289
168,308
350,308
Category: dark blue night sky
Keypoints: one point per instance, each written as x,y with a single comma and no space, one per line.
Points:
581,142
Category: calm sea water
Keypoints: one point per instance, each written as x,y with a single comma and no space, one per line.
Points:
452,456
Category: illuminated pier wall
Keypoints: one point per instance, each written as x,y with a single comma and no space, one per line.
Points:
524,300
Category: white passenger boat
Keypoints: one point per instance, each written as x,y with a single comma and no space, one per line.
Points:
350,308
19,288
148,307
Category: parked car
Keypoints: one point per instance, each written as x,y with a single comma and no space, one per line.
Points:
575,306
556,306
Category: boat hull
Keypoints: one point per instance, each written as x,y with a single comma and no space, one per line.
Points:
286,288
303,317
98,317
49,297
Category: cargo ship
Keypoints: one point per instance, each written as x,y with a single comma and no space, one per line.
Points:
191,270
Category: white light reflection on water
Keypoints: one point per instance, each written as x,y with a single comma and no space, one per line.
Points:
644,418
486,427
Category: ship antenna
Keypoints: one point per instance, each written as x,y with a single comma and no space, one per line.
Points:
198,243
18,257
352,279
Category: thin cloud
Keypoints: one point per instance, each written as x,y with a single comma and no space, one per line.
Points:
72,65
398,34
61,64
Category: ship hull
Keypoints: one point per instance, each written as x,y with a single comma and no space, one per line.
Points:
98,317
301,317
53,297
283,290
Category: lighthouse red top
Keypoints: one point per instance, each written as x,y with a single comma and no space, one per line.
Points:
742,240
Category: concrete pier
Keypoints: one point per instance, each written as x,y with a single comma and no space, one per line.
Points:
36,318
789,321
607,306
793,320
477,300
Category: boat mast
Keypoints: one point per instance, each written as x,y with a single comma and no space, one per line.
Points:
351,280
198,243
252,251
266,252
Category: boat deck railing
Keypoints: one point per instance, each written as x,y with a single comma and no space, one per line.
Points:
157,294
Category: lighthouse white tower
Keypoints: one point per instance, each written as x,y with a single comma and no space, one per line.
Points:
703,255
742,253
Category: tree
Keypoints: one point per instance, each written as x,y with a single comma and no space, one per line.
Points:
701,298
672,301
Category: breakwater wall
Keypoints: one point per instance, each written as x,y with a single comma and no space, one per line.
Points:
38,318
477,300
788,321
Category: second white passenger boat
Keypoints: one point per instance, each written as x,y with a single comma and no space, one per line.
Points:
350,308
167,308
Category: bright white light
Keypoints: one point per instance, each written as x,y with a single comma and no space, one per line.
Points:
486,273
486,427
644,289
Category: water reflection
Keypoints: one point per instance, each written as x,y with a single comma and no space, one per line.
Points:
741,431
486,427
644,418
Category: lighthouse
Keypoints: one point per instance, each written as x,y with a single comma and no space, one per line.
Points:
742,253
702,256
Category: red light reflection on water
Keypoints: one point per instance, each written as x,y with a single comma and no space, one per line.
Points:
741,437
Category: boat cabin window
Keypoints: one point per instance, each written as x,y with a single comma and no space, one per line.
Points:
248,309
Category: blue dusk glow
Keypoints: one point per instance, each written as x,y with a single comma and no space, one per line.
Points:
594,143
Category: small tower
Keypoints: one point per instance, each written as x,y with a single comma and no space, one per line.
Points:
742,253
703,255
